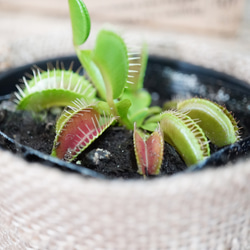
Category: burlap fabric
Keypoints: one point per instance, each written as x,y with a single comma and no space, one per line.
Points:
44,208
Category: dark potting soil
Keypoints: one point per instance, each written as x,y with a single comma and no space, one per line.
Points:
112,154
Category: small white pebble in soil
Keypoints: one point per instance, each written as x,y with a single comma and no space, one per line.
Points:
222,96
98,154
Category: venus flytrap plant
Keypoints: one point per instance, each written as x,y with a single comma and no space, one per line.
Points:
148,151
115,94
217,123
186,136
50,88
80,20
115,68
78,127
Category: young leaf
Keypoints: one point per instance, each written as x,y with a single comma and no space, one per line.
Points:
139,116
217,123
155,118
185,135
103,108
80,21
151,123
151,126
140,99
53,88
93,71
110,55
78,128
148,151
122,108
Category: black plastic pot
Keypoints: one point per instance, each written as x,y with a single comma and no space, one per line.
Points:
165,79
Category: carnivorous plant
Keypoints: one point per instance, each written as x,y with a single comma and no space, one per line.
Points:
111,93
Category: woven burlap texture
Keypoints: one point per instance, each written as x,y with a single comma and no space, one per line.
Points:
44,208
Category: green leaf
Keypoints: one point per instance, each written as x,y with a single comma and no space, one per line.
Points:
154,115
122,108
139,117
185,135
80,21
154,119
154,110
92,71
53,88
217,123
103,108
150,126
110,55
139,100
38,101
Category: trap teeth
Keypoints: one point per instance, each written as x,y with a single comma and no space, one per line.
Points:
215,120
148,151
185,135
77,129
53,88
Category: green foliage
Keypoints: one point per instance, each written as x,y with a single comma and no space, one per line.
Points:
185,135
118,74
217,123
114,93
94,73
53,88
80,21
111,56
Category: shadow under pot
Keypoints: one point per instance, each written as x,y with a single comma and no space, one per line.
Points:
112,154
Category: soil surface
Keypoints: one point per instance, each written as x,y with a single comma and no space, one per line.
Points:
112,154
